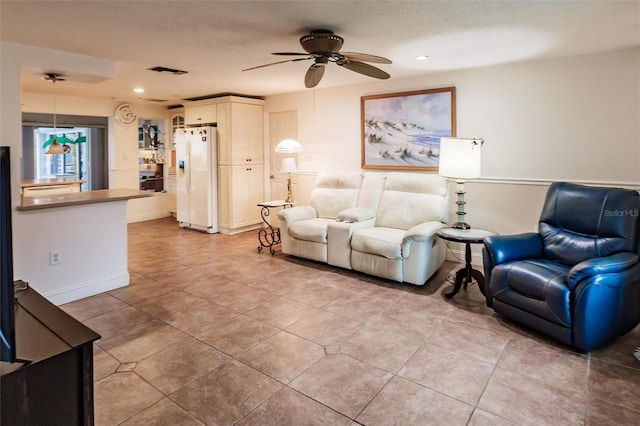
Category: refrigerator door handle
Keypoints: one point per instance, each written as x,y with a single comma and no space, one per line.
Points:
188,171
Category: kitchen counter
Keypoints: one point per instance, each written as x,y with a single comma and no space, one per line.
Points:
50,182
37,187
79,198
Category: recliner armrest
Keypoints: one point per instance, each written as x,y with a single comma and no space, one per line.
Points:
506,248
355,214
294,214
422,232
601,265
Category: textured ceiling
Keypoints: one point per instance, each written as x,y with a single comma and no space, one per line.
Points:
215,40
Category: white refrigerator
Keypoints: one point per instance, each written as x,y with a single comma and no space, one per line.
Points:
197,178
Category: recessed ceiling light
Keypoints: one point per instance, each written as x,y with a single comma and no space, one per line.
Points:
138,90
422,57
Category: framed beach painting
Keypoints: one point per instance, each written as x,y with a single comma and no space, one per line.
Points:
402,131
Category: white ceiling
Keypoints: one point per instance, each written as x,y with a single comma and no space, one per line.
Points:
215,40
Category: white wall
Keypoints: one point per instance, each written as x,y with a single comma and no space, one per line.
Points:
573,119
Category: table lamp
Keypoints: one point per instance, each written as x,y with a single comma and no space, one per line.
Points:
290,147
460,159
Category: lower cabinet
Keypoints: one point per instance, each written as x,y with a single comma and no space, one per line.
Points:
241,189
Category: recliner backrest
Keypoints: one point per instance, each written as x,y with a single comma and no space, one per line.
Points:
334,193
581,222
412,198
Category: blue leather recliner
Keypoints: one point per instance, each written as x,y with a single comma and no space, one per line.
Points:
578,278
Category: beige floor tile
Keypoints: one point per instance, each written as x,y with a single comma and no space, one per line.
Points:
226,394
136,293
282,356
120,396
243,299
620,351
172,368
452,374
213,287
325,328
103,363
552,365
528,401
601,412
281,312
163,413
357,306
341,383
198,318
484,418
237,334
93,306
141,343
418,323
118,322
402,402
162,306
616,384
316,295
380,348
466,339
291,408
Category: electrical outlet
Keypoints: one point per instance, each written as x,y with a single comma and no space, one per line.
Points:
55,258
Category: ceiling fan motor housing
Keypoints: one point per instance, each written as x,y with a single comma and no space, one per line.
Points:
321,41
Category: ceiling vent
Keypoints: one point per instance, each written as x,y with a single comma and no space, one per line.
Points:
167,70
154,100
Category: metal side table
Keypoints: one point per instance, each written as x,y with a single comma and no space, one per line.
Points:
270,236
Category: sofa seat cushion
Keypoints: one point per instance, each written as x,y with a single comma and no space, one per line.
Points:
538,286
385,242
314,230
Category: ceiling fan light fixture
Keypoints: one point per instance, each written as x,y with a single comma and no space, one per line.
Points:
422,57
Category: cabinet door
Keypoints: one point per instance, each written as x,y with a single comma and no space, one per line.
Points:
224,197
246,134
248,191
200,115
224,133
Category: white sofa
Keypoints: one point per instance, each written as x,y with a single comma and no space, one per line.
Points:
382,224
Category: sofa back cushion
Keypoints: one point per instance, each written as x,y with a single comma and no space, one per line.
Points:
412,198
581,222
371,190
334,193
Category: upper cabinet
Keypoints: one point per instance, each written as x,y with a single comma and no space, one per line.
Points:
240,133
199,115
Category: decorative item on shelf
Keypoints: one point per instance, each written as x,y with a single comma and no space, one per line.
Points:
288,147
460,159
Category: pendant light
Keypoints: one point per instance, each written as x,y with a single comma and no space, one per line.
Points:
54,146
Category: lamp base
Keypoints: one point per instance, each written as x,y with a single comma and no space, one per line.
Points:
289,200
461,225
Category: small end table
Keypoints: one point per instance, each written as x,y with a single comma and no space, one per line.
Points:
468,237
271,236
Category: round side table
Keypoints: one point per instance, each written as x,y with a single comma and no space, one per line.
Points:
468,237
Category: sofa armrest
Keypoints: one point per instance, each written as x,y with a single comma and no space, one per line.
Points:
422,232
355,214
601,265
506,248
294,214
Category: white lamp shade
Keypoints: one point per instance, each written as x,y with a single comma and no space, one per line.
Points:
460,158
288,146
288,165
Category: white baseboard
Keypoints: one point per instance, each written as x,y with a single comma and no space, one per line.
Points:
82,290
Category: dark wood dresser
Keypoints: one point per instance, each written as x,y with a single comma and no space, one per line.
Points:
56,386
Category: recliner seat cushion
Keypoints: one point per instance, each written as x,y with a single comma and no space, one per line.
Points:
538,286
314,230
385,242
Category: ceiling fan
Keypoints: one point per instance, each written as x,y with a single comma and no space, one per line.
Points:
323,46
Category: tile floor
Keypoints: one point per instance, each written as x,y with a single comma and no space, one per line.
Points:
211,332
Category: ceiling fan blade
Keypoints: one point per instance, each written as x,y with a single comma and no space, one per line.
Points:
365,69
364,57
313,76
279,62
290,53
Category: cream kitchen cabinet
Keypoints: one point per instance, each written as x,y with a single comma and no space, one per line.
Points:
240,132
241,189
199,115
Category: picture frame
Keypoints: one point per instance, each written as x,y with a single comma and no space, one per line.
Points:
402,131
